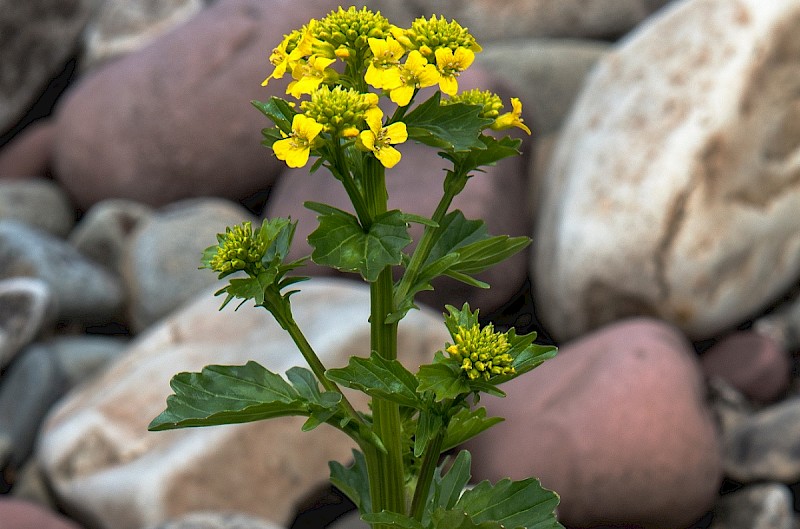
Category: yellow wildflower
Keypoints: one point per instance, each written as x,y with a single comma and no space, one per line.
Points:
295,149
308,75
511,119
340,111
414,74
450,65
379,139
383,71
238,249
290,51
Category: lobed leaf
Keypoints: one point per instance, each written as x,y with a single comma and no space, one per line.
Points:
513,504
353,481
379,377
455,127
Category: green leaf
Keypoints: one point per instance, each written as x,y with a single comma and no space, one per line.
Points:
476,257
512,503
465,425
492,152
451,486
228,395
392,518
322,406
428,425
379,377
278,111
443,379
340,241
454,519
455,127
353,481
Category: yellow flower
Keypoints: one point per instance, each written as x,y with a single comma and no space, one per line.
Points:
295,149
239,248
379,139
450,65
290,51
511,119
482,352
340,111
308,75
414,74
382,71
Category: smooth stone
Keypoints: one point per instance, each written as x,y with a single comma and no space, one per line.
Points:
38,202
161,260
27,309
104,231
682,126
616,424
83,290
214,520
104,466
82,357
38,38
752,363
761,506
546,74
29,153
162,146
489,20
123,26
31,485
23,514
763,447
30,386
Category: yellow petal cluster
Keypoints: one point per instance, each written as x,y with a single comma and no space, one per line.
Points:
238,249
295,149
379,139
482,352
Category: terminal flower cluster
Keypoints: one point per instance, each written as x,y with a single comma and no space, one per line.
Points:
341,65
482,352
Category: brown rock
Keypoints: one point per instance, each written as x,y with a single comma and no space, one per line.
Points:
617,425
752,363
30,152
21,514
174,119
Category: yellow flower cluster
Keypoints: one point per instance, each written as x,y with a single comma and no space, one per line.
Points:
338,60
238,249
482,352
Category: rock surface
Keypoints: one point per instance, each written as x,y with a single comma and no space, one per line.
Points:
27,310
36,39
21,514
210,520
762,506
182,126
616,424
29,153
107,469
691,120
37,202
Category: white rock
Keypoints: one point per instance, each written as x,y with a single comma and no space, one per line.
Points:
673,190
109,471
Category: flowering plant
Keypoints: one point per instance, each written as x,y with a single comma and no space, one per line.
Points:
343,67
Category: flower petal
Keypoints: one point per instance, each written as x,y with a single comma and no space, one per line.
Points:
388,156
396,133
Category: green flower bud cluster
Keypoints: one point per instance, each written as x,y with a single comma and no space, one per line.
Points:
238,249
482,352
490,103
427,35
350,30
340,111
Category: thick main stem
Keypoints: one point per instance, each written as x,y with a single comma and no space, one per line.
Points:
389,470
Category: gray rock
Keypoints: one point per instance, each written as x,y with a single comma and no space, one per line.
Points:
29,153
29,388
27,307
37,202
30,484
36,38
105,230
123,26
672,191
762,506
216,520
161,262
82,357
546,74
765,446
84,290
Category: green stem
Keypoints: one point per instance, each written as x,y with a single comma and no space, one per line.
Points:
357,199
389,470
424,481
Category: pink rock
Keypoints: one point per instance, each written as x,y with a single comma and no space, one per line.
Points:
29,153
752,363
499,196
617,425
20,514
174,120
